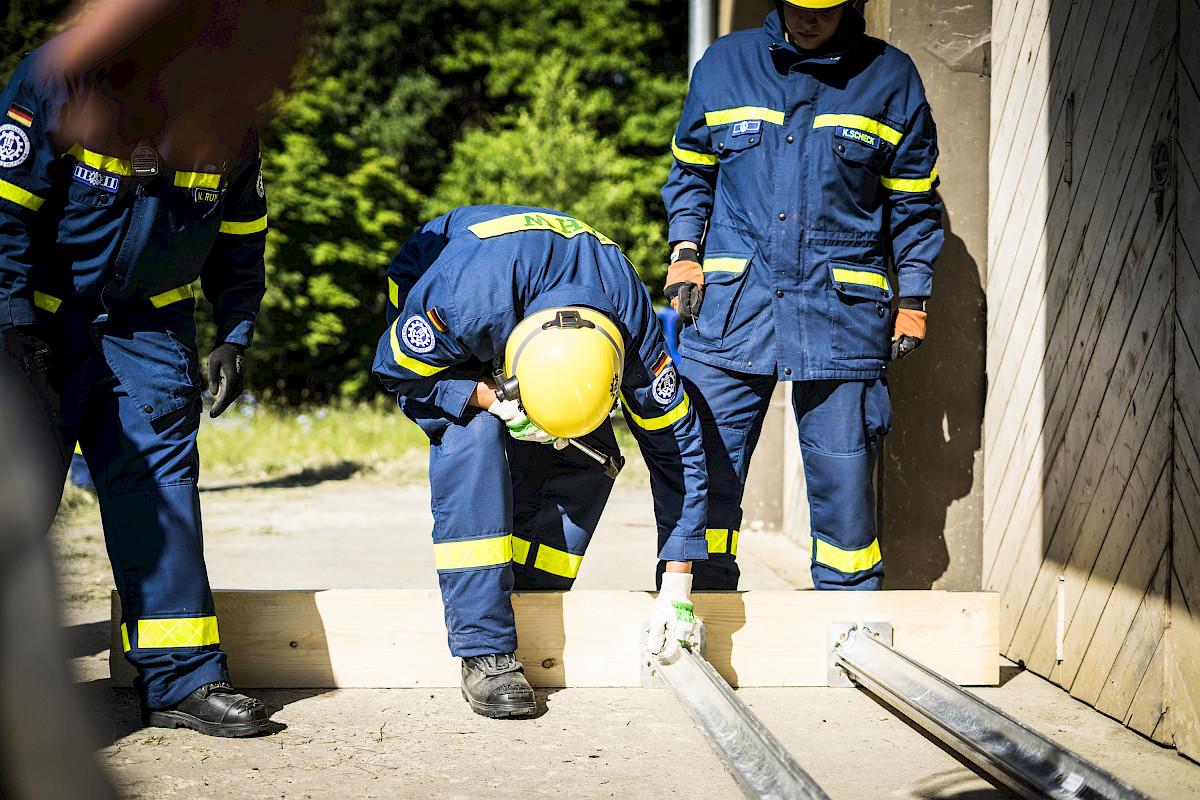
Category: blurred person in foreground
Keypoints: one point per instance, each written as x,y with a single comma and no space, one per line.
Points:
129,167
512,331
45,752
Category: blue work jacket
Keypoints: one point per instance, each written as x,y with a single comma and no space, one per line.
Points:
802,176
80,236
462,283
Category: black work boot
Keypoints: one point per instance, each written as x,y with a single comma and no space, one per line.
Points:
214,709
495,686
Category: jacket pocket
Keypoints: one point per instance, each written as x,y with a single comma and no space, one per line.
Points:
859,153
736,140
153,355
723,289
861,315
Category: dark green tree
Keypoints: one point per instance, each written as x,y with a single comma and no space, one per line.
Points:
26,24
583,98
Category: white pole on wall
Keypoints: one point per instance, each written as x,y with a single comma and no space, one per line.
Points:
701,25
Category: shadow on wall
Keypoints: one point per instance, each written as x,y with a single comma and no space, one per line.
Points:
937,408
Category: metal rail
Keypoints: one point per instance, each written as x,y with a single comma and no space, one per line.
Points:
757,761
1019,757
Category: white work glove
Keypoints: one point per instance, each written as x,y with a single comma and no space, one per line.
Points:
519,426
672,621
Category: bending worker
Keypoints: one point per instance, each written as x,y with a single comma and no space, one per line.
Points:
558,308
120,184
804,163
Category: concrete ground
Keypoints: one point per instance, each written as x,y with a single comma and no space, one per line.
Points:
585,743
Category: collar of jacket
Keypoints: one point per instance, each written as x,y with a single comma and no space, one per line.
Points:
574,295
787,56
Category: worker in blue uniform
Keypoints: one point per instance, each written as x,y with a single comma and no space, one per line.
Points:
114,199
537,318
805,165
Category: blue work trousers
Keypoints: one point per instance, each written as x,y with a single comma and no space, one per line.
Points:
840,425
506,515
145,474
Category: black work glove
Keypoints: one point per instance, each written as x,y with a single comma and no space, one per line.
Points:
226,375
685,284
28,349
908,328
685,298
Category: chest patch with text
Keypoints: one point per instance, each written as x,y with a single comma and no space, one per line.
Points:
746,127
855,135
96,177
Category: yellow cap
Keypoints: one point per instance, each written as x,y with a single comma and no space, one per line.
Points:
567,362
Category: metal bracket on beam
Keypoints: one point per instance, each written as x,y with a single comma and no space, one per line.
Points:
758,763
1032,765
837,633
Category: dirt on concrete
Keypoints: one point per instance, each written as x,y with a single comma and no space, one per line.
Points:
349,531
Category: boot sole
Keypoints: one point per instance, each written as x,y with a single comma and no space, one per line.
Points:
501,711
177,719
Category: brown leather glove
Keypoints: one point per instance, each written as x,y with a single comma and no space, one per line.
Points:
685,284
909,329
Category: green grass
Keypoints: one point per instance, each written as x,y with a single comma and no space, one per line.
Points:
252,441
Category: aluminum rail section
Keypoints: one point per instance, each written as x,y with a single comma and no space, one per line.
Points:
1019,757
757,761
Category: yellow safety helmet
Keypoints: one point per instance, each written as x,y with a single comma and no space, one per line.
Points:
816,5
567,362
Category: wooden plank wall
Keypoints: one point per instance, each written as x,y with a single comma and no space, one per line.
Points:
1184,656
1081,332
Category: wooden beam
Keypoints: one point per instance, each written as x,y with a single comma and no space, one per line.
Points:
343,638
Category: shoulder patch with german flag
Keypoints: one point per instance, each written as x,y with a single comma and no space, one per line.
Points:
21,114
666,381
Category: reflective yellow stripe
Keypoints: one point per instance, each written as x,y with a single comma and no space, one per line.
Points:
557,562
847,560
725,264
182,632
50,303
201,180
19,196
910,184
408,362
690,156
393,293
243,228
862,277
859,123
473,554
46,302
666,420
98,161
721,540
563,226
172,296
520,548
728,115
125,637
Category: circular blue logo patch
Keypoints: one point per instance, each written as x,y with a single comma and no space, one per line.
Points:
665,386
418,335
14,146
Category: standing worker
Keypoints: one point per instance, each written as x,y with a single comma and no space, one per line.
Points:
549,311
129,167
804,162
